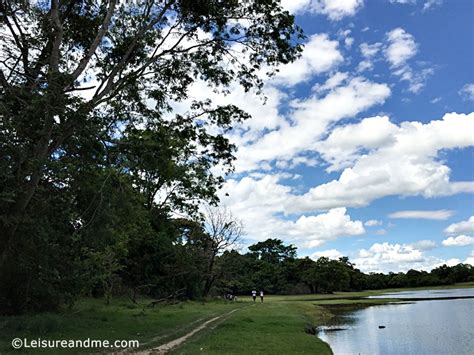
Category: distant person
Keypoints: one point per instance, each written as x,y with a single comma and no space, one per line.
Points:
261,296
254,295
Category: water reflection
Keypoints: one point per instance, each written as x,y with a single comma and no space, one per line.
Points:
460,292
422,327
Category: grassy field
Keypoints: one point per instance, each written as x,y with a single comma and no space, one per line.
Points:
92,318
276,326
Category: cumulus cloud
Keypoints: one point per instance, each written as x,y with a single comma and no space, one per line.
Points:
382,256
401,161
467,92
310,118
385,257
401,47
337,9
459,241
334,9
406,164
330,253
461,227
345,143
314,231
260,203
435,215
320,55
296,6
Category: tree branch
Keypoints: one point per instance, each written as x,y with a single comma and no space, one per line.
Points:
95,43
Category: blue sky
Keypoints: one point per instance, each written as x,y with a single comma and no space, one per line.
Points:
365,145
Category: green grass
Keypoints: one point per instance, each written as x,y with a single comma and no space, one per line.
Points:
91,318
276,326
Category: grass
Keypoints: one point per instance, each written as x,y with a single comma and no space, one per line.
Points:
91,318
276,326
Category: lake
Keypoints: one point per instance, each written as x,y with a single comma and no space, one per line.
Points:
422,327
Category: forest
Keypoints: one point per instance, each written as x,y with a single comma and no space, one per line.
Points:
102,183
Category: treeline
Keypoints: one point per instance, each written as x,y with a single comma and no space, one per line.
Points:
274,267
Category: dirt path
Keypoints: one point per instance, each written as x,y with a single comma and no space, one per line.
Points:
163,349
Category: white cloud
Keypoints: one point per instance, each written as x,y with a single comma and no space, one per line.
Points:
336,9
348,41
330,253
461,227
407,164
331,83
402,1
309,121
364,65
459,241
320,55
416,79
295,6
343,146
435,215
470,259
368,51
431,4
261,202
467,92
386,257
314,231
372,223
333,9
401,47
424,244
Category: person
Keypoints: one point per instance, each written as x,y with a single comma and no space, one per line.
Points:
261,296
254,295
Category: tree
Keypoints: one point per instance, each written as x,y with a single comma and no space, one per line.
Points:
273,251
86,93
134,54
224,232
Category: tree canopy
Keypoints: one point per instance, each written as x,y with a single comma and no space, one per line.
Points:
94,160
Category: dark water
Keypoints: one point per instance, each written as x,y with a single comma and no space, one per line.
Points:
423,327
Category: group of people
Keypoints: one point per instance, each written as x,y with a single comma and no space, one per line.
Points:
254,295
231,297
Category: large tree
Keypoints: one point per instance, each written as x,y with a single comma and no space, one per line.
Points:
87,90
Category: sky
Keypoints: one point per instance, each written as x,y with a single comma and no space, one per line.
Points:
364,147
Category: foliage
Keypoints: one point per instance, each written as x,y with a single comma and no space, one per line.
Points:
273,267
93,159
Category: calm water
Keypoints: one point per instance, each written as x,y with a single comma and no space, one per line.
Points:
424,327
